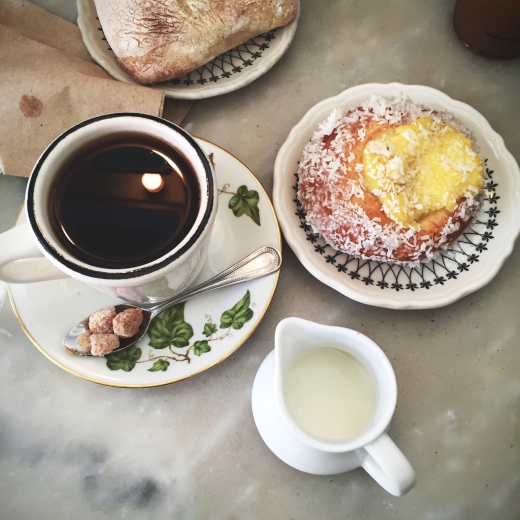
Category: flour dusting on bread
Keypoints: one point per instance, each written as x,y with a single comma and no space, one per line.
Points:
157,40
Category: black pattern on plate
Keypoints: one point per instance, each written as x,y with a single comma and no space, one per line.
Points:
445,267
224,66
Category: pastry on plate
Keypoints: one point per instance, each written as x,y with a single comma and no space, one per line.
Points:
157,40
391,180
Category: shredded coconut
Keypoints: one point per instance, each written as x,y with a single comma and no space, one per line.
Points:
333,196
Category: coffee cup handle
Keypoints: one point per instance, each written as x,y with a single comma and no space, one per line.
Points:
21,261
387,465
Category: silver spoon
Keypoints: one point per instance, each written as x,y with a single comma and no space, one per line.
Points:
261,262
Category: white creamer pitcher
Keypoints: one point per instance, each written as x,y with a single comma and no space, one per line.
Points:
377,453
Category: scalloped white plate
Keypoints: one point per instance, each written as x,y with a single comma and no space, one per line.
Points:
230,71
471,263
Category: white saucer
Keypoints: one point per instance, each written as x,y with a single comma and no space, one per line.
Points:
47,310
230,71
468,265
281,441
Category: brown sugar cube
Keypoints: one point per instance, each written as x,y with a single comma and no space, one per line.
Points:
126,323
101,321
102,344
83,340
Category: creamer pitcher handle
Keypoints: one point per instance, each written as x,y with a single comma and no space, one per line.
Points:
21,261
387,465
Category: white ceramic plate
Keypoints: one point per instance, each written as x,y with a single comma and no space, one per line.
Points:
230,71
470,264
47,310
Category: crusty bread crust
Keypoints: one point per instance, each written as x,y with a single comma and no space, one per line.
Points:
157,40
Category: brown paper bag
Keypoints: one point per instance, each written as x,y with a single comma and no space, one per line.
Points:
38,24
49,83
45,91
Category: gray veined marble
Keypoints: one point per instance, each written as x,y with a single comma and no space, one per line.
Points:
73,449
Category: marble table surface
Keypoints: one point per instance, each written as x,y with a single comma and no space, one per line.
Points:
73,449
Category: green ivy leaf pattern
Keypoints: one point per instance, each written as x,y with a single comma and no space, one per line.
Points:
238,315
245,202
174,314
201,347
124,360
209,329
170,329
160,365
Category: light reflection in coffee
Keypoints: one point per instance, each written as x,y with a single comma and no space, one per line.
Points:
125,201
153,182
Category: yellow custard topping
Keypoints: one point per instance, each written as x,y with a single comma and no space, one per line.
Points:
421,167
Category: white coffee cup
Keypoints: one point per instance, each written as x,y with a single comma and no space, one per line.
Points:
32,252
378,454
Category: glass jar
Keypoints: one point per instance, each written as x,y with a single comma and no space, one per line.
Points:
489,27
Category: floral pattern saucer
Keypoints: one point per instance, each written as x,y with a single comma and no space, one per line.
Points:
230,71
188,338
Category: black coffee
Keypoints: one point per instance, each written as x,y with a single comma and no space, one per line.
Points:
124,201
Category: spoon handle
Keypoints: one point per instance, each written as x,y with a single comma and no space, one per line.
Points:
263,261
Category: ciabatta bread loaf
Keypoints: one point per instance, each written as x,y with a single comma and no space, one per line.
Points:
156,40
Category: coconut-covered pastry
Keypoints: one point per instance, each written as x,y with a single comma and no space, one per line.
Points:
391,180
156,40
